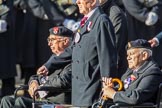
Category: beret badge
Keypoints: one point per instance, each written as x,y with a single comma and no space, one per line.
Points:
55,30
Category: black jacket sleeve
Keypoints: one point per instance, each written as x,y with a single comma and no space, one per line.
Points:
62,79
56,62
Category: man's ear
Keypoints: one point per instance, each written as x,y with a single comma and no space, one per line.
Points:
66,41
93,3
145,55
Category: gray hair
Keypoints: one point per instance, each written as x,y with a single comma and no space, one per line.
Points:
149,51
97,3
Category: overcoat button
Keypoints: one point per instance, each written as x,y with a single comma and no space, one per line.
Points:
76,77
77,61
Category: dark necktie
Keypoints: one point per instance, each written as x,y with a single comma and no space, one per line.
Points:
82,22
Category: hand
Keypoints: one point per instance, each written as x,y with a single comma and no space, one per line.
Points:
152,18
107,82
32,87
42,71
109,92
153,42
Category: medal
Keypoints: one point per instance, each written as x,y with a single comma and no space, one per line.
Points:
77,37
89,25
125,86
126,83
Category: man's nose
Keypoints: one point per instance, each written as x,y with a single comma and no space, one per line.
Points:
77,1
128,57
49,43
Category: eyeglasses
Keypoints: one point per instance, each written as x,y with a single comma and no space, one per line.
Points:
55,39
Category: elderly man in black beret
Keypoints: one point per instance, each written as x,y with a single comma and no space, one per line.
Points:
58,40
142,78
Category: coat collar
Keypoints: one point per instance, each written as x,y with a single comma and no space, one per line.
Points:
141,70
130,77
145,66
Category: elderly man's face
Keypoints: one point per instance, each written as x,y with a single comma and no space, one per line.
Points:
57,43
135,58
85,6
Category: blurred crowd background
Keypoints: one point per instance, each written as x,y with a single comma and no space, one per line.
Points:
24,28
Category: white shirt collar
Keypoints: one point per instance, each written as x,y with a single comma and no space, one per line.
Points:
90,13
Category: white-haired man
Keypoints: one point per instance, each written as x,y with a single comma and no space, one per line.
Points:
141,80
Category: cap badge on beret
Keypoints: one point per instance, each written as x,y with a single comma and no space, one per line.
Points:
61,31
55,30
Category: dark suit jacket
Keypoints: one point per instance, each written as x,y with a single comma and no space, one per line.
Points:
143,88
93,57
57,62
7,44
119,22
159,36
60,78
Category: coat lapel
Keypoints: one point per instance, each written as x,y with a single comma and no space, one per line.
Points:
128,73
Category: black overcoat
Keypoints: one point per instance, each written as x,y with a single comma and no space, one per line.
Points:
94,56
119,21
144,87
7,45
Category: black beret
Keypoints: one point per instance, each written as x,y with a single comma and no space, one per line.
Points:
61,31
139,43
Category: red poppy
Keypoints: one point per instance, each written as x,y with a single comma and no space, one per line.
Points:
132,77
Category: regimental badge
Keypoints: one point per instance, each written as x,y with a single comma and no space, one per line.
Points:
129,80
55,30
77,37
126,86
